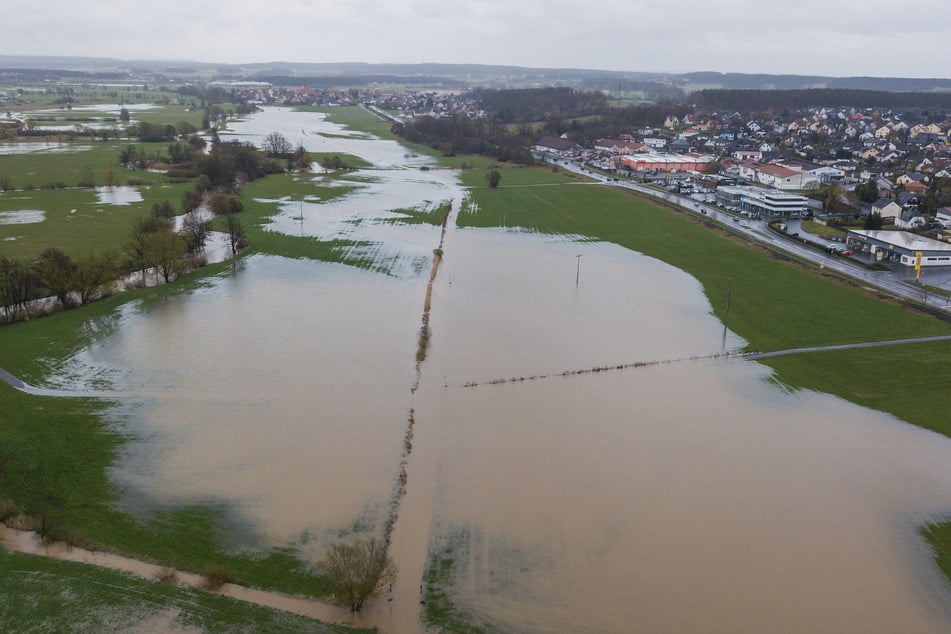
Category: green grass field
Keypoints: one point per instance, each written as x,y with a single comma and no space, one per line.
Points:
75,221
66,163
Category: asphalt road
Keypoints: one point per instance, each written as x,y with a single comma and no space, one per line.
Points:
893,282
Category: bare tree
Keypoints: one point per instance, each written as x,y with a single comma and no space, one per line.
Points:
276,145
94,274
165,251
358,571
236,238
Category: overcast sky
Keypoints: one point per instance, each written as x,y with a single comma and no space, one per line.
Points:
910,38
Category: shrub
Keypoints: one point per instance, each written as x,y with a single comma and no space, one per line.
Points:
166,574
215,577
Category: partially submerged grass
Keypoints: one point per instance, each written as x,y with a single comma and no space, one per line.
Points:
347,161
444,568
75,221
42,594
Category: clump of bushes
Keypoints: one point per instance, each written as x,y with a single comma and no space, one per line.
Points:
215,577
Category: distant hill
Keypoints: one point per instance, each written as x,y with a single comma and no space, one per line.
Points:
651,85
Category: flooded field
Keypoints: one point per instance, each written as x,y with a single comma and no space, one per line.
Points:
22,217
28,147
118,195
695,495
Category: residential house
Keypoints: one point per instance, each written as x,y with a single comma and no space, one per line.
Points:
888,209
907,199
909,219
557,147
943,215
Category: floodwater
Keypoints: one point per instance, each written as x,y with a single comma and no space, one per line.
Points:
278,394
28,147
22,217
118,195
316,134
695,495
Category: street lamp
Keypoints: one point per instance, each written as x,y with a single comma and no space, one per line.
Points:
578,269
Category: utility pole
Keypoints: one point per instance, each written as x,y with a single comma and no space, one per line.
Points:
729,296
578,269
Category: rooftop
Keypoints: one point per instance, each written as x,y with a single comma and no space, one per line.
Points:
904,239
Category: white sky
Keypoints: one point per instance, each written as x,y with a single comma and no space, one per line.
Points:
911,38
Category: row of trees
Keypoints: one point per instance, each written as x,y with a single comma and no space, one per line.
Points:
53,274
529,105
468,136
152,245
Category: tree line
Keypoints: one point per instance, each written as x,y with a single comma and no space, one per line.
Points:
539,104
461,134
778,100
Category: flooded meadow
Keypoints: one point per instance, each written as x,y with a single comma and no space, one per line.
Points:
689,494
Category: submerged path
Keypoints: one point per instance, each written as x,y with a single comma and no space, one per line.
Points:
750,355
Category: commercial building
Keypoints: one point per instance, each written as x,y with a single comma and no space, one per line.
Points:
664,162
900,246
758,200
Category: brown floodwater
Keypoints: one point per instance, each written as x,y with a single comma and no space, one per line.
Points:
697,495
279,394
694,496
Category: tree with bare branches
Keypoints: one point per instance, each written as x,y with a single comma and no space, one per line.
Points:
358,571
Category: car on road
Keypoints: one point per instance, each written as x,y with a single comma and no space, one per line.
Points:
847,252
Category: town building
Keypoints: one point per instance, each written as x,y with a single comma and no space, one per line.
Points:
900,246
665,162
761,201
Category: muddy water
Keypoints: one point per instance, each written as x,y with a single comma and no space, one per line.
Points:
694,496
279,394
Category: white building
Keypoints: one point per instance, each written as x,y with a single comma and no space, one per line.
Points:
765,202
